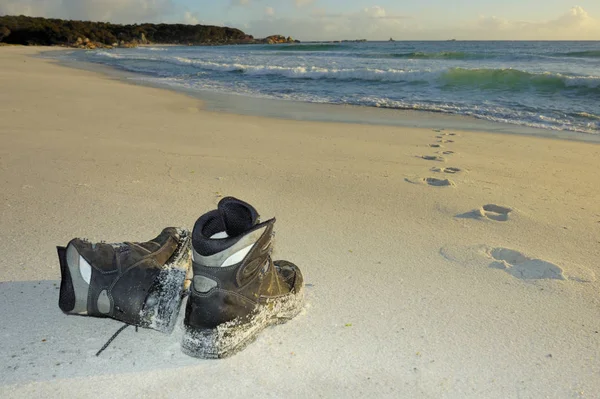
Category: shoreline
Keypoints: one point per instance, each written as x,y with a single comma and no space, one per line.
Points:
240,104
450,264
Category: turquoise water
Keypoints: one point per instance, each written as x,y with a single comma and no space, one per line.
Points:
551,85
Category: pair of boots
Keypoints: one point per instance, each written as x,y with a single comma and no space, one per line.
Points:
236,288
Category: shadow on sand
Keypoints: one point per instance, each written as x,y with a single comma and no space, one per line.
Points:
38,342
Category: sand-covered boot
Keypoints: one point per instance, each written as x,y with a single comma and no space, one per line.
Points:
140,284
237,290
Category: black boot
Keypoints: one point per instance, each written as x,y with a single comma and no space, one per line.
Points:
237,289
140,284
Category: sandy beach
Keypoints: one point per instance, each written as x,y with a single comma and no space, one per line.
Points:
439,264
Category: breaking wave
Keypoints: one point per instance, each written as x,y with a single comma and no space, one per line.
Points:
465,78
480,78
516,80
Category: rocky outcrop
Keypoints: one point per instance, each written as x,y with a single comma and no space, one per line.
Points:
47,32
86,43
90,35
277,39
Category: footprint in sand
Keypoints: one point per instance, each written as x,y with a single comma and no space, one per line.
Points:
433,158
435,145
446,170
496,212
490,212
446,141
516,263
432,181
446,152
522,267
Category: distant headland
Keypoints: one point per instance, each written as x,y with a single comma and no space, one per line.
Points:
90,35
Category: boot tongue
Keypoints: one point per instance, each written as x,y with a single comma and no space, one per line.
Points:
238,216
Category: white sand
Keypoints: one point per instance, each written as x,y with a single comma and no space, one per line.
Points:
410,295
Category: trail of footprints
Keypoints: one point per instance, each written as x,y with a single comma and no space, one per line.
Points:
491,212
515,263
444,138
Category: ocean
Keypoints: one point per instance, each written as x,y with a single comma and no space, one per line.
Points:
549,85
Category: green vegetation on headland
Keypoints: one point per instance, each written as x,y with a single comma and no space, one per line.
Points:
84,34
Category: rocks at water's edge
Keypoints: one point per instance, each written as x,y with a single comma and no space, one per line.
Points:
277,39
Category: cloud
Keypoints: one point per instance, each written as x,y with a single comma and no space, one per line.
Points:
240,2
575,24
269,11
190,18
375,12
17,7
122,11
371,23
577,17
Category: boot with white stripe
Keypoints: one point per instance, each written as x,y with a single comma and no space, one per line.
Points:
237,290
141,284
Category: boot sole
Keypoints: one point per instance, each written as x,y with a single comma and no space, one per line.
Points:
67,297
230,338
73,288
161,308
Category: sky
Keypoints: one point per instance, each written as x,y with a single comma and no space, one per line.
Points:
346,19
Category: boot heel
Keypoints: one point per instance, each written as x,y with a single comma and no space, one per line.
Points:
217,343
163,302
229,338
